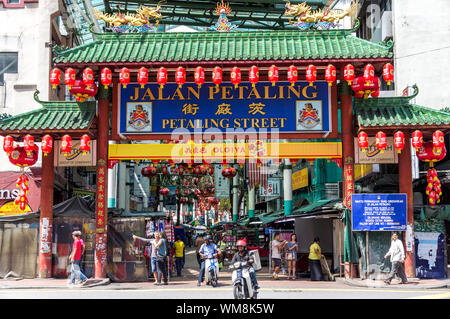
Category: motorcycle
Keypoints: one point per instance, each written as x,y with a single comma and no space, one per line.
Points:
211,270
242,283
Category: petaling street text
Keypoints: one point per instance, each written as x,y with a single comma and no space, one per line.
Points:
276,122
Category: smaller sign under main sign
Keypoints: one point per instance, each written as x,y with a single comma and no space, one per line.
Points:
300,179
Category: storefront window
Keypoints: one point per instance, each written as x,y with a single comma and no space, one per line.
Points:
8,64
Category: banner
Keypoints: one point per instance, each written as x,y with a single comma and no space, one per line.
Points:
379,212
374,156
76,156
289,109
300,179
222,184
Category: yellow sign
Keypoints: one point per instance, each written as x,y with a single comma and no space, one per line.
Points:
300,179
225,151
361,170
12,209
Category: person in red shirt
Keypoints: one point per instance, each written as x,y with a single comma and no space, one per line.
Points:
75,259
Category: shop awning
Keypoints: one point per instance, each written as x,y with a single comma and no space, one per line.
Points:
63,117
128,49
398,113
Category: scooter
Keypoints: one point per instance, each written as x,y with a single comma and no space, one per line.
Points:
211,270
242,283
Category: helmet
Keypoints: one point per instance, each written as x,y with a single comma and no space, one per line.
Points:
207,237
241,242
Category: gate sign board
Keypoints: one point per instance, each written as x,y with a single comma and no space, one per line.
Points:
379,212
288,109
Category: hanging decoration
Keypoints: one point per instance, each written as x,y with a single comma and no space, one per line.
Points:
66,144
69,77
85,144
164,191
19,156
349,74
21,200
217,76
81,92
106,77
46,144
28,144
274,74
292,74
253,75
161,77
381,141
180,76
149,171
388,73
361,89
88,77
235,76
199,76
142,77
330,74
55,77
399,141
417,139
124,77
8,144
363,141
369,74
311,74
223,25
438,139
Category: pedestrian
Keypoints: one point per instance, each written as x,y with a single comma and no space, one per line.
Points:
291,255
198,243
397,253
222,246
153,255
207,248
315,254
277,246
75,260
179,254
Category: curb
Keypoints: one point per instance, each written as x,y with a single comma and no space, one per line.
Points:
373,284
102,282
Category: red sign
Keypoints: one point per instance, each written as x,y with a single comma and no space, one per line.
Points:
101,198
348,185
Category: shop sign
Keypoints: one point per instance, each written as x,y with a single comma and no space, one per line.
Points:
222,184
101,197
272,190
76,156
288,109
374,156
349,185
379,212
300,179
361,170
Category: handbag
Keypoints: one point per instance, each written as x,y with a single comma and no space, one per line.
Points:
290,256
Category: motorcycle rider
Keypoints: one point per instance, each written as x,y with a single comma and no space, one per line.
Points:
208,248
243,255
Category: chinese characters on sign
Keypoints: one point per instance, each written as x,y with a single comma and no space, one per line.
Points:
348,185
101,197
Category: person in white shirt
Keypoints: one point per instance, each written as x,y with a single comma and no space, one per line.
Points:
277,246
397,253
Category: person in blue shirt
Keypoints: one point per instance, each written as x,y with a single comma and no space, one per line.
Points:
208,248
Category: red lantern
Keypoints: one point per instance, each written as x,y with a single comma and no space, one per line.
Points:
66,144
369,73
161,76
417,139
81,91
311,74
8,144
28,144
199,76
217,76
142,76
149,171
438,139
180,76
253,75
211,170
164,191
69,77
235,76
124,77
55,77
363,141
399,141
381,141
85,144
362,89
292,74
274,74
428,153
349,73
47,144
88,77
388,73
330,74
106,77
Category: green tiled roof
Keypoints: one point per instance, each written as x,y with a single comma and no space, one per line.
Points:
57,115
397,112
222,46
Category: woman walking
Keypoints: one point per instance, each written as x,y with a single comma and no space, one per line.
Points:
291,256
314,260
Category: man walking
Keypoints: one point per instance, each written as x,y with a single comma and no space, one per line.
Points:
179,254
75,259
397,253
